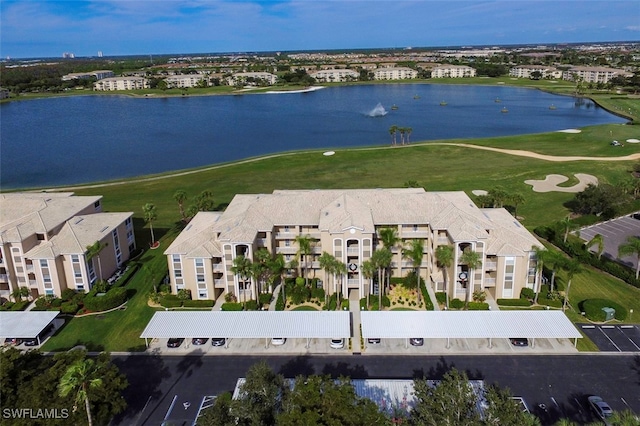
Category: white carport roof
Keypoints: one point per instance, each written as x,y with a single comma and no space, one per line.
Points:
249,325
467,324
25,324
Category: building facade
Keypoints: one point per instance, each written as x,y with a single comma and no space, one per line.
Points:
394,73
525,71
121,83
347,225
452,71
335,75
184,80
594,74
44,239
248,77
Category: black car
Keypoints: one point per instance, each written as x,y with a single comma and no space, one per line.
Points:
199,340
218,341
174,342
519,341
12,341
416,341
373,341
31,342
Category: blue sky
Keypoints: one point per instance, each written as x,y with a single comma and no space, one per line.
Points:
124,27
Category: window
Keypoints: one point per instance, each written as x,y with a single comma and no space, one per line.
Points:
40,237
75,258
44,263
176,258
96,204
177,273
509,268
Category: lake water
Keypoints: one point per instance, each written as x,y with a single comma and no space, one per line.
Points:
71,140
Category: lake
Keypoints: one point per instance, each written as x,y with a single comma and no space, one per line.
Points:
73,140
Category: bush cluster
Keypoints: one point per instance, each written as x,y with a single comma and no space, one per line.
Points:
456,303
363,304
514,302
231,306
198,303
441,297
251,305
593,309
265,298
111,299
14,306
527,293
478,306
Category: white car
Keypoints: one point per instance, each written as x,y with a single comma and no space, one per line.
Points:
601,408
337,343
278,341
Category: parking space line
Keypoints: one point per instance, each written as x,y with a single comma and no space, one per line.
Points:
588,326
630,339
605,335
171,407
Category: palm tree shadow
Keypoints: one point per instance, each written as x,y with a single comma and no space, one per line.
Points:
299,366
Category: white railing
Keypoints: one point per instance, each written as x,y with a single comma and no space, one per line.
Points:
443,240
33,283
4,277
218,267
286,250
354,250
29,267
491,265
353,282
489,281
410,233
218,282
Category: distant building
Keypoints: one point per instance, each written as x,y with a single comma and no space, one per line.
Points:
121,83
525,71
67,55
98,74
184,80
335,75
247,77
44,239
452,71
594,74
397,73
4,93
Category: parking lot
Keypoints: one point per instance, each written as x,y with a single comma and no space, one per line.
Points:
385,347
613,338
614,232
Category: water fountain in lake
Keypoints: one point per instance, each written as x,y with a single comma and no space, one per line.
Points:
378,111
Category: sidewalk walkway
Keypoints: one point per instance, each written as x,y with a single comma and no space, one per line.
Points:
432,295
274,300
493,305
354,308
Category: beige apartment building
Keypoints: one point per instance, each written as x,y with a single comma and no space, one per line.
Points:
452,71
594,74
184,80
44,239
394,73
121,83
242,77
525,71
347,224
335,75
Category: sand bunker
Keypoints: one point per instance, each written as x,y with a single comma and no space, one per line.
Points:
479,192
328,153
551,182
633,140
570,131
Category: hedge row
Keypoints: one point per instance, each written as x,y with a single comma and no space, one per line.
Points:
593,309
514,302
14,306
478,306
111,299
198,303
231,306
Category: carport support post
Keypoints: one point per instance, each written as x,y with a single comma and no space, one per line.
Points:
266,342
575,342
406,343
308,341
533,342
490,343
448,345
146,342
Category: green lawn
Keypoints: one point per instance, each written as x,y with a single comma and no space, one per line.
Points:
305,308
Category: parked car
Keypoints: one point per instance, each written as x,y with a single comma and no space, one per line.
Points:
12,341
218,341
31,342
519,341
416,341
373,341
199,340
278,341
337,343
175,342
601,408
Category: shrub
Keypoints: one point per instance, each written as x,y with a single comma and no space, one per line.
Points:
111,299
317,293
363,304
56,303
344,303
299,281
7,306
479,296
69,308
456,304
67,294
184,294
231,306
593,309
128,274
478,306
375,304
441,297
230,297
280,302
79,298
514,302
19,306
198,303
251,305
333,302
165,288
385,301
527,293
265,298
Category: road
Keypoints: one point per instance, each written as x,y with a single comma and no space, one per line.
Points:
160,385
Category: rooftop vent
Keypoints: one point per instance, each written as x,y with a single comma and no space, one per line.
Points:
104,229
78,221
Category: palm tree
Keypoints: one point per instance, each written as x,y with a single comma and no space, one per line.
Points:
444,260
81,377
261,269
389,238
516,199
408,130
541,254
402,130
381,260
498,195
393,130
150,214
631,247
94,251
304,249
572,267
278,266
415,252
340,271
242,266
181,196
19,293
472,259
567,225
554,260
598,240
328,263
368,269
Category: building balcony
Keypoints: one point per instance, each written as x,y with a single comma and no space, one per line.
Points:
490,266
443,240
353,282
411,234
354,251
261,242
4,278
217,267
33,283
286,250
29,267
489,282
219,283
